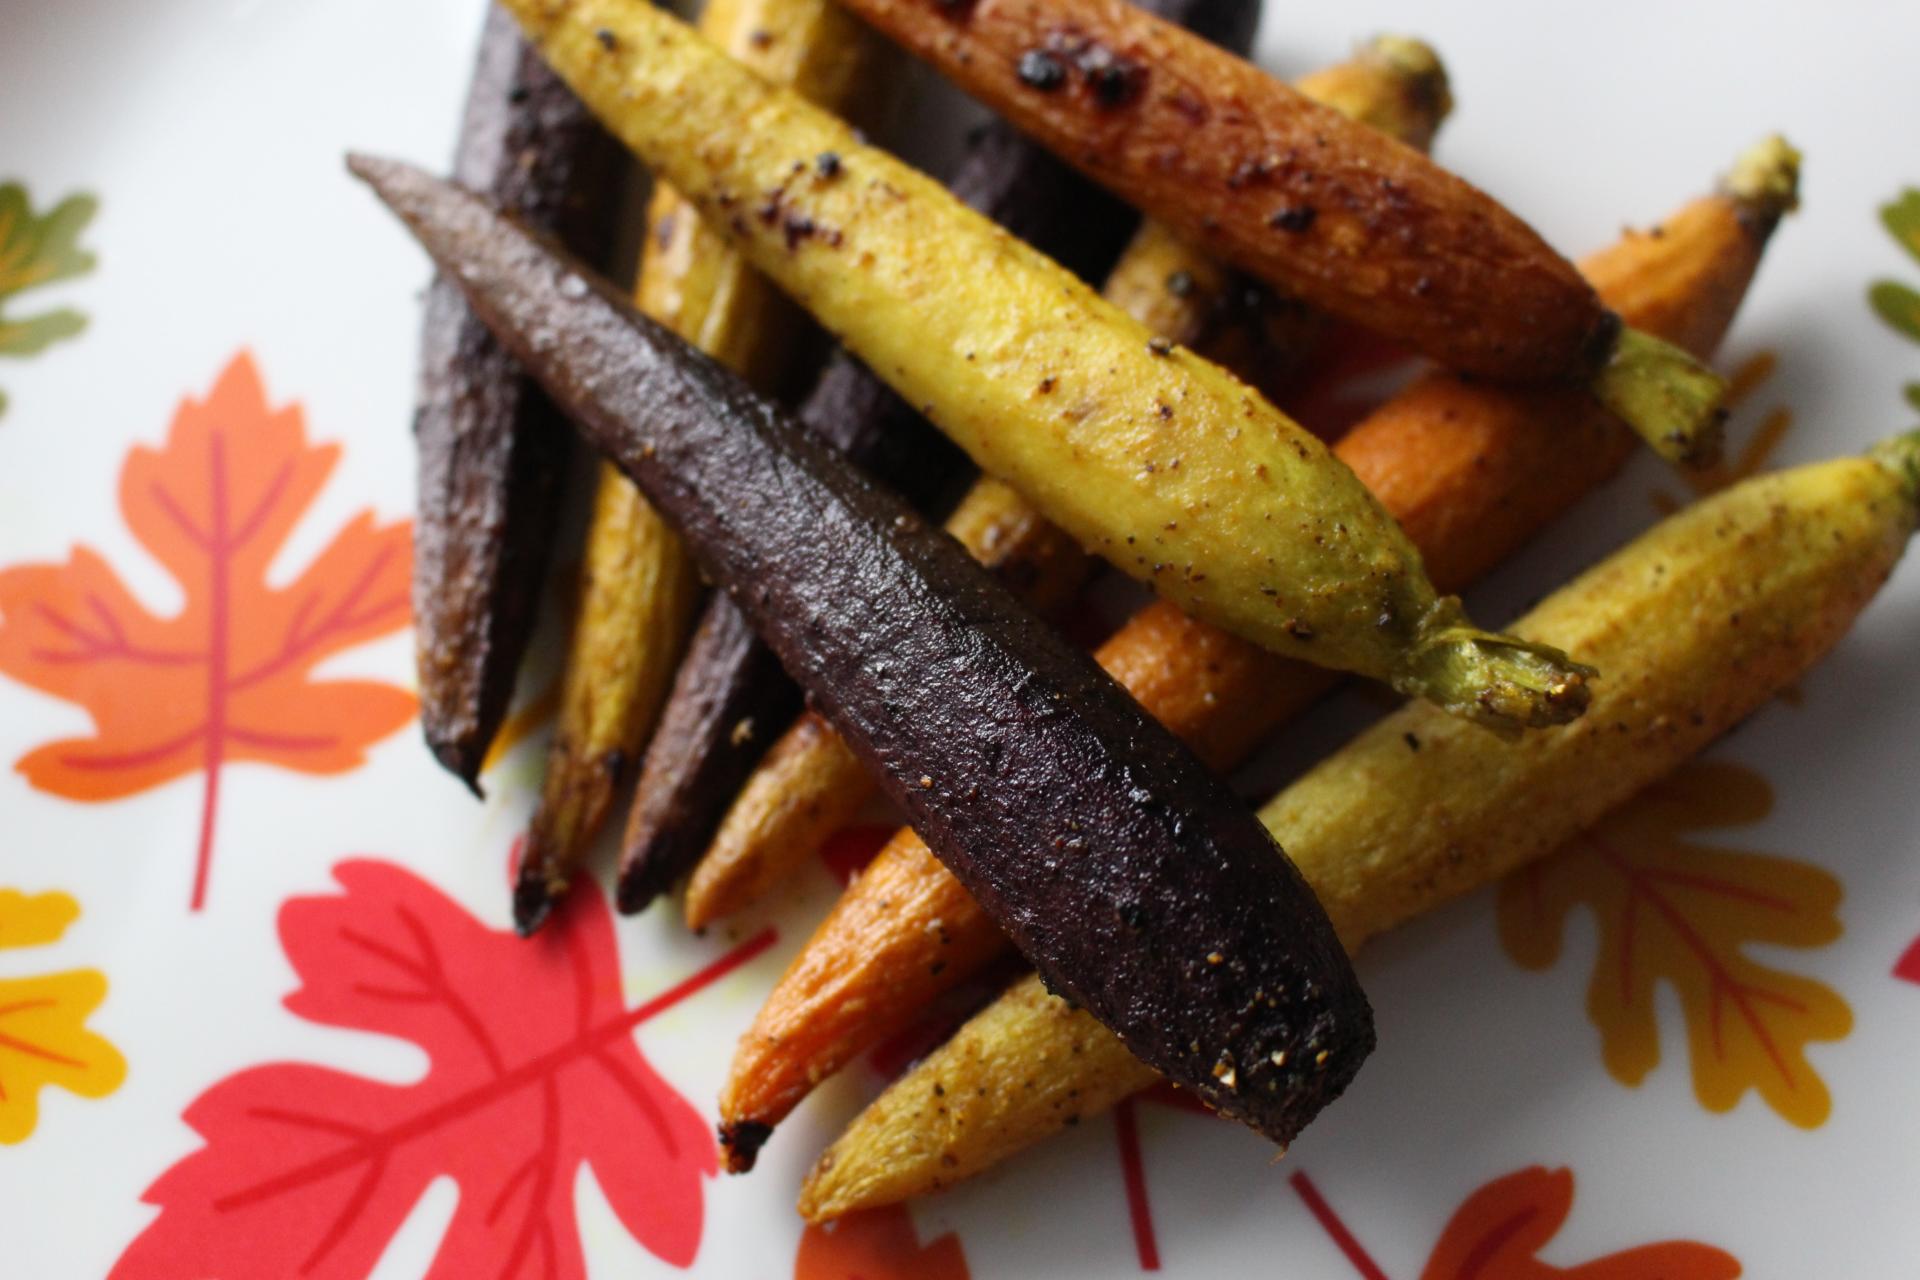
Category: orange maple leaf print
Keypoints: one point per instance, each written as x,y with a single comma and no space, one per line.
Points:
229,677
1497,1232
1675,911
43,1019
877,1244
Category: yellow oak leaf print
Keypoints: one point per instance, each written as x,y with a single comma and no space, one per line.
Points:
44,1038
1673,910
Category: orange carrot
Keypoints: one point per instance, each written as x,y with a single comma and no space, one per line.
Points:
1471,472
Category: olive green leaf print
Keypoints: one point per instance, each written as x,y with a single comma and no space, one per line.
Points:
36,251
1903,220
1896,303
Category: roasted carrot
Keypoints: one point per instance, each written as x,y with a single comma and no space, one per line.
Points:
809,785
1700,622
1164,907
492,448
1321,207
637,587
1472,471
1155,458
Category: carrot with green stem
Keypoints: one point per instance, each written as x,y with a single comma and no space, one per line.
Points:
1700,622
638,590
1149,455
1471,471
809,785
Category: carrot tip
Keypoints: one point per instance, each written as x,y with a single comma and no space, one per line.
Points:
461,760
740,1143
1766,181
635,892
534,897
1420,70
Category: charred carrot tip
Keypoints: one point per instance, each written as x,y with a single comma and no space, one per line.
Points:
647,869
533,899
462,760
633,894
740,1143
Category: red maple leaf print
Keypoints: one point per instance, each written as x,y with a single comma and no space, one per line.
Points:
877,1244
1501,1228
309,1171
229,677
1907,967
1133,1166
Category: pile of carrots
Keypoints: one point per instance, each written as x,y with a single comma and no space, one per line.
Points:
992,428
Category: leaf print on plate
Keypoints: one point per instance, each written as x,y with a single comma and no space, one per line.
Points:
1894,302
43,1019
1898,305
37,251
877,1244
228,678
1907,967
1497,1233
534,1072
1133,1165
1674,911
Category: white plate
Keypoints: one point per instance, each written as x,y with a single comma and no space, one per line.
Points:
211,134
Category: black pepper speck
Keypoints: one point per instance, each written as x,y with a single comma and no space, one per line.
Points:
1297,217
